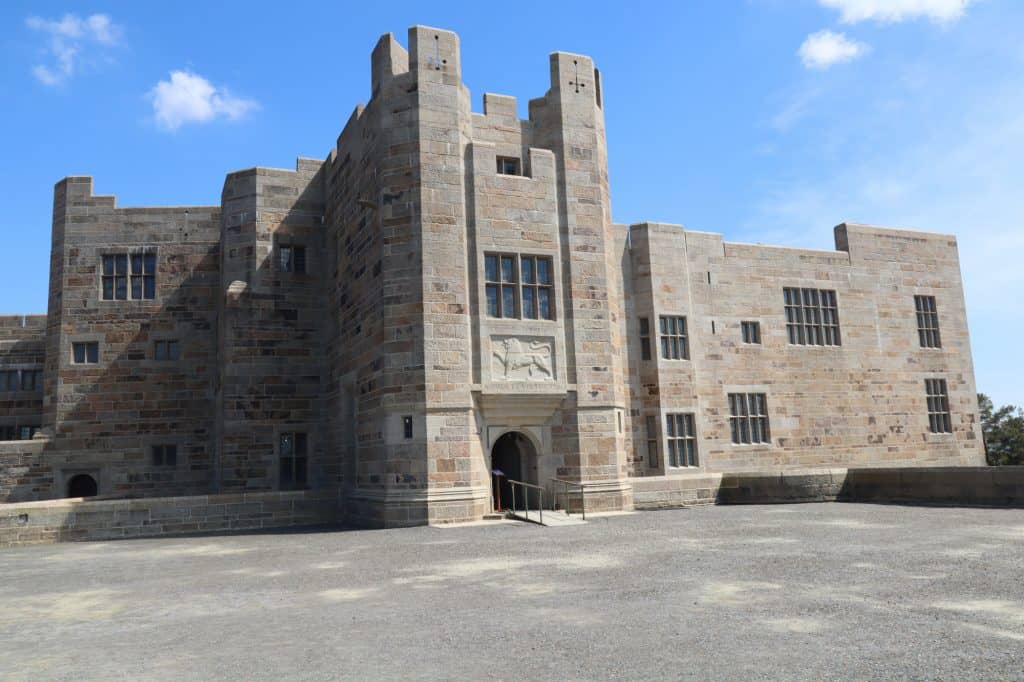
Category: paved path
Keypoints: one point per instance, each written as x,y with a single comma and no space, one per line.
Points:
814,591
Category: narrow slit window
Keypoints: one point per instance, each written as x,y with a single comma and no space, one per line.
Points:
652,442
927,322
937,394
293,457
645,338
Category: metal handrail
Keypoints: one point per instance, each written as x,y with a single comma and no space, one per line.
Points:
564,487
526,506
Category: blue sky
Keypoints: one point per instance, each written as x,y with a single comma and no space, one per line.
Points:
766,120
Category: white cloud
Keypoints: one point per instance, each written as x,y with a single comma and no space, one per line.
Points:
892,11
69,39
824,49
189,98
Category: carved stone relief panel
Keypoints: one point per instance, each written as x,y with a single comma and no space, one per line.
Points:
522,358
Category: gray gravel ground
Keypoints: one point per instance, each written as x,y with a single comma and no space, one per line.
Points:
815,591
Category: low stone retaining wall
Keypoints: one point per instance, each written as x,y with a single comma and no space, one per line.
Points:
981,486
96,519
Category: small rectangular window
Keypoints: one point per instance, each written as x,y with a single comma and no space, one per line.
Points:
645,339
293,457
937,394
167,350
682,440
508,165
927,322
748,418
673,338
407,427
751,332
812,317
27,432
652,442
85,353
8,432
165,455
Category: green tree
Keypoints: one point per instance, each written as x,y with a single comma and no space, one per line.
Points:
1003,430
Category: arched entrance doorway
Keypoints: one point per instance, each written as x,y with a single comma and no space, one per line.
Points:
82,485
515,457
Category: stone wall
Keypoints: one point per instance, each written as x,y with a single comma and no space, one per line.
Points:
22,339
956,486
272,322
861,403
104,418
96,519
24,474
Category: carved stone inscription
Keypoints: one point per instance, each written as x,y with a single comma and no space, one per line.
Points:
522,358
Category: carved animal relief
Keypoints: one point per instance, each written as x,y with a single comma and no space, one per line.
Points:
523,359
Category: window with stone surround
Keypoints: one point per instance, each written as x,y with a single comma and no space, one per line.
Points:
509,165
927,322
748,418
129,276
85,352
682,440
32,380
29,380
652,441
18,432
293,456
166,350
519,286
645,338
673,338
9,380
164,455
812,317
292,258
751,332
937,394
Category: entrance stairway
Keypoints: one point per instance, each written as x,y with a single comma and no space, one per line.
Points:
531,499
546,517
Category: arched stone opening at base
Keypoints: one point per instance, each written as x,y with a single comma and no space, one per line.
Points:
82,485
515,457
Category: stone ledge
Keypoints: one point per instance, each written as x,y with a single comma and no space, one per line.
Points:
97,519
985,486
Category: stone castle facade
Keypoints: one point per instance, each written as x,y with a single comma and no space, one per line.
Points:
447,294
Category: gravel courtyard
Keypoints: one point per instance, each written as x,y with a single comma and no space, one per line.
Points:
797,592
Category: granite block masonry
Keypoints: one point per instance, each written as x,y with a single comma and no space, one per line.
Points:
446,294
